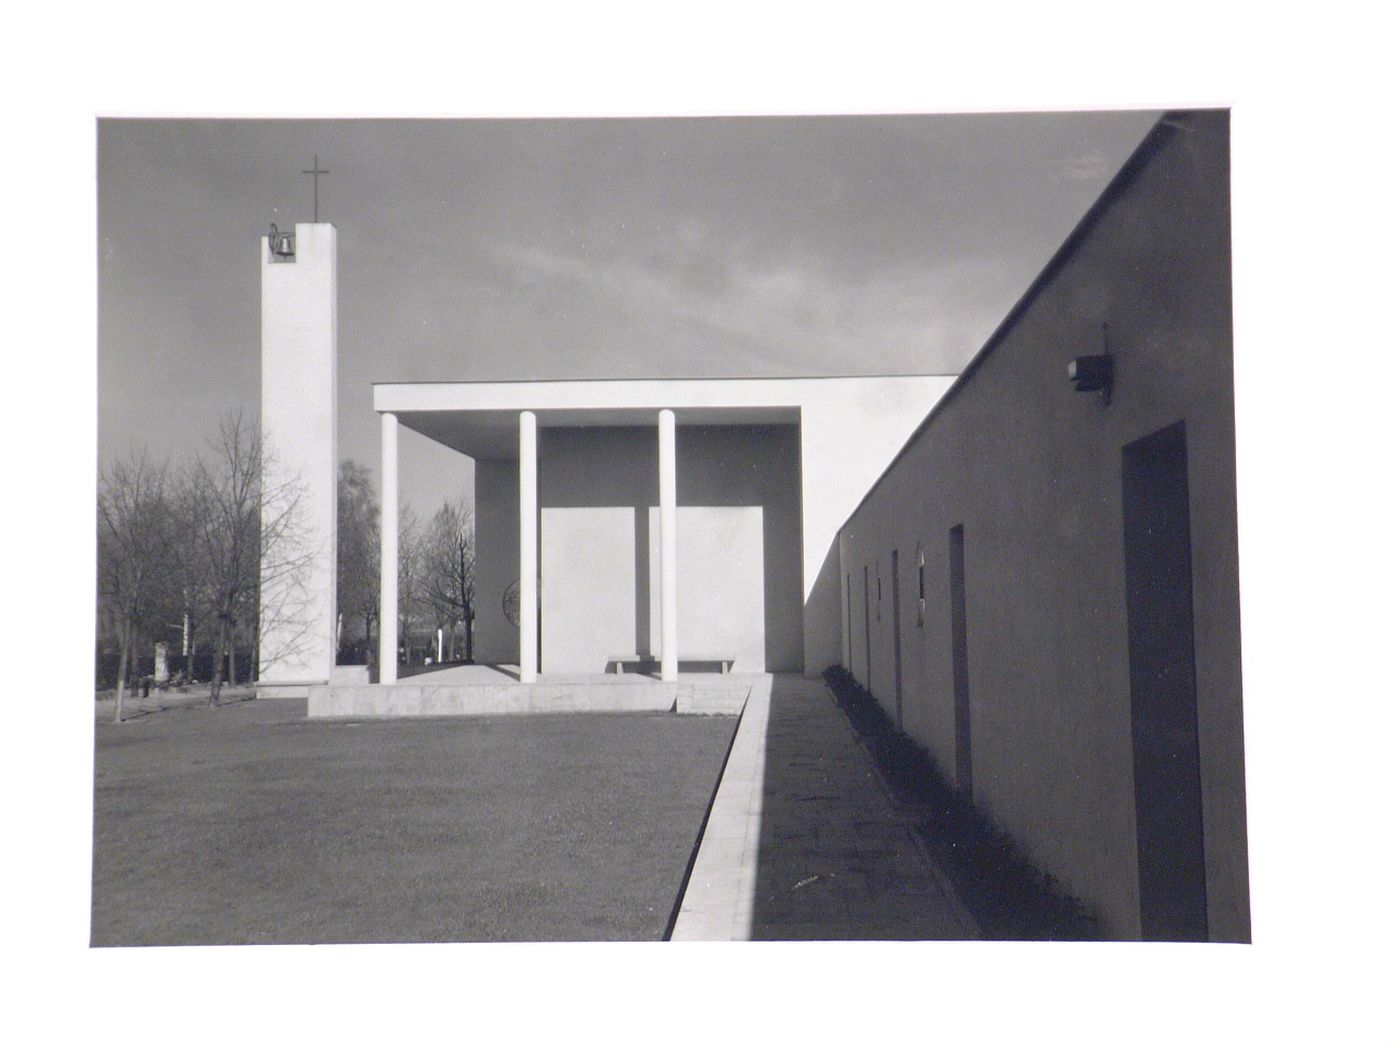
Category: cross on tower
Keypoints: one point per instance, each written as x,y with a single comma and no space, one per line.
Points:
316,172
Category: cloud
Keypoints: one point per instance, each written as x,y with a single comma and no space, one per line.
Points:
1086,166
793,311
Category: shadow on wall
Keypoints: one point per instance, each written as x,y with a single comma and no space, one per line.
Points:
755,466
1008,896
1080,671
719,468
823,633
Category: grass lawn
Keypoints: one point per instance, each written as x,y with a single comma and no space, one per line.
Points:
251,825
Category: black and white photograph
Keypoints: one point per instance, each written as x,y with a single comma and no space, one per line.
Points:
840,549
801,528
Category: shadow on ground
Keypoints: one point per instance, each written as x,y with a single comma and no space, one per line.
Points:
837,859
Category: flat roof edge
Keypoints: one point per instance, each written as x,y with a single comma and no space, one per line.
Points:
662,379
549,394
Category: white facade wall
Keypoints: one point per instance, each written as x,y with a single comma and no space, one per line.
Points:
739,591
297,643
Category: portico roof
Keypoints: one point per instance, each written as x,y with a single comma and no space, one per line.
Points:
482,420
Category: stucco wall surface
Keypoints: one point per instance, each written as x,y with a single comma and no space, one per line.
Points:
739,587
720,591
299,426
1032,470
496,640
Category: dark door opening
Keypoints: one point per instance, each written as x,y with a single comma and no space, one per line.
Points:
868,683
894,624
850,626
1162,681
962,702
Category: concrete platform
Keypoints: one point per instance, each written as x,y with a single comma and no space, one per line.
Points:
282,690
490,690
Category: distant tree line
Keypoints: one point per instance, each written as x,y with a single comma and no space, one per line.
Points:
182,554
437,574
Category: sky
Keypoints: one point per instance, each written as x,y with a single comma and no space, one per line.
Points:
573,248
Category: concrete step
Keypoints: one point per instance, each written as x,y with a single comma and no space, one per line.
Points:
711,699
410,701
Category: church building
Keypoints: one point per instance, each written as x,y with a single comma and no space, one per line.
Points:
652,525
1032,566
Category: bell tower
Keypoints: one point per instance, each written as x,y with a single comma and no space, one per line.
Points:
298,601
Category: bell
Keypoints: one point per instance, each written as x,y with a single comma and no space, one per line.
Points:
283,245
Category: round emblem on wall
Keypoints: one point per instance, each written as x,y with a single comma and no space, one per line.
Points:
510,603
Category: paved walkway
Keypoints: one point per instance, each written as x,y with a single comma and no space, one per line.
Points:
804,843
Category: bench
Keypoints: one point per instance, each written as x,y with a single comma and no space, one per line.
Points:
726,663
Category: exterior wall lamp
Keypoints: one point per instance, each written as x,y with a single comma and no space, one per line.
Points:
1094,372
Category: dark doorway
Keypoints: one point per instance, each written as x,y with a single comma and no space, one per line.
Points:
962,703
894,624
866,620
850,625
1162,680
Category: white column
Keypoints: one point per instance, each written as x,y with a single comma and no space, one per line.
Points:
388,548
529,551
666,432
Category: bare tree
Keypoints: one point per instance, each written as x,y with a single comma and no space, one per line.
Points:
288,551
411,573
133,547
185,601
250,540
357,547
449,571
